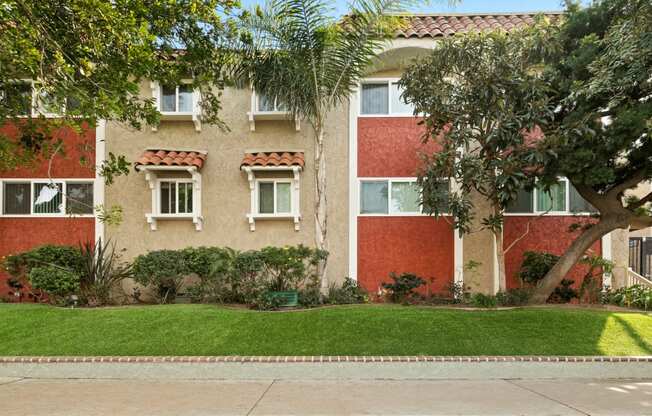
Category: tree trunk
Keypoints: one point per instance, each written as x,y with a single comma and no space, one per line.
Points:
500,258
571,256
321,213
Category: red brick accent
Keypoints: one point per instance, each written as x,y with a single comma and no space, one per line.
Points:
550,234
420,245
390,146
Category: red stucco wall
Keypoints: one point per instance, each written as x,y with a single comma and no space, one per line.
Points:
20,234
420,245
549,234
390,146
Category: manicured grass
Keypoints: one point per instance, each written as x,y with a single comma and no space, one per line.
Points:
354,330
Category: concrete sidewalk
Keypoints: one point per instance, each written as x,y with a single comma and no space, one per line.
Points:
189,389
71,397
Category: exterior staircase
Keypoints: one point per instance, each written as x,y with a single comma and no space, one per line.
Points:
634,278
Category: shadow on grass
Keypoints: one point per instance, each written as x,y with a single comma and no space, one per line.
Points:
634,335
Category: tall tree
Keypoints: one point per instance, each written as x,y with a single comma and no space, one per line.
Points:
90,56
601,135
481,96
301,55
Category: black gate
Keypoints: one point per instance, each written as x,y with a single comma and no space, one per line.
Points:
640,255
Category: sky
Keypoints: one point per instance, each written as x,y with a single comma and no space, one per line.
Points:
467,6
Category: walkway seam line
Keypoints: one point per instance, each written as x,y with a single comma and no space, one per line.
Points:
513,383
261,397
12,381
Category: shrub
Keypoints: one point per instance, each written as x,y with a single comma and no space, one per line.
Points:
163,269
536,265
348,293
403,287
514,297
214,266
480,300
563,293
65,257
102,272
310,297
56,282
635,296
289,268
246,283
591,288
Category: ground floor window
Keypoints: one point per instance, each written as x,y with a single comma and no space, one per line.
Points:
274,197
175,197
400,196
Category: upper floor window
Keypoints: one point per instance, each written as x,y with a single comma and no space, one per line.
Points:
391,196
562,198
274,197
383,98
42,197
18,96
269,105
176,98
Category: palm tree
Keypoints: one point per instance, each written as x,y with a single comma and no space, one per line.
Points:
305,58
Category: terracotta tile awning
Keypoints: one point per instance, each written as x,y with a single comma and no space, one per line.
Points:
154,157
421,26
273,159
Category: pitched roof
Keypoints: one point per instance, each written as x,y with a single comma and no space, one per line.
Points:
273,159
167,157
440,25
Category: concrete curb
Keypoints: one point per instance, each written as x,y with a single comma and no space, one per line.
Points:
321,359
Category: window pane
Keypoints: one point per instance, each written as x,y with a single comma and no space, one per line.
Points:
72,104
265,104
184,199
524,203
375,99
398,105
16,198
168,98
48,198
79,198
168,198
442,188
47,104
266,197
283,198
406,197
18,97
373,197
185,98
577,203
554,199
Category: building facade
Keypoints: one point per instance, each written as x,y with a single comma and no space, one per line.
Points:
194,184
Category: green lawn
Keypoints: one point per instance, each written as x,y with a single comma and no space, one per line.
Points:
354,330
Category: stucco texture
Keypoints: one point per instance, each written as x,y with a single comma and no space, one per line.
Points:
225,189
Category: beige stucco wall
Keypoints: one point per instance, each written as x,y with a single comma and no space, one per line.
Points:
225,189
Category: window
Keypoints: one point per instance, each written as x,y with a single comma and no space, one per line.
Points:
17,198
48,198
268,105
79,198
274,197
553,200
18,97
383,97
391,196
562,198
175,197
176,99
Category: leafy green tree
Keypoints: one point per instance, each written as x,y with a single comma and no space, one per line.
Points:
481,96
600,136
301,55
90,56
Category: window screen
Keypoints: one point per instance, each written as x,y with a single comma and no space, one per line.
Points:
266,197
79,198
577,203
283,198
184,200
406,197
185,98
373,197
168,198
375,98
169,98
554,199
48,198
16,198
524,203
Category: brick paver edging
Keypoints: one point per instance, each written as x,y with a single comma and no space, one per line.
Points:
324,359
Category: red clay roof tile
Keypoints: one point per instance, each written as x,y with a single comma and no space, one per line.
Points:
433,26
154,157
269,159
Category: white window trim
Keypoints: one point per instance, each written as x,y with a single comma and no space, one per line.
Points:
194,115
274,181
34,103
176,182
295,198
254,113
537,213
389,82
151,176
33,182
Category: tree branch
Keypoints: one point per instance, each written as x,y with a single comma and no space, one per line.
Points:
647,198
629,182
